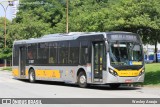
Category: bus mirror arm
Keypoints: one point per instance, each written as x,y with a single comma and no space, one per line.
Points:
107,47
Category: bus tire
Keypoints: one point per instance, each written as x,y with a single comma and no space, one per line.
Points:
32,76
114,86
82,80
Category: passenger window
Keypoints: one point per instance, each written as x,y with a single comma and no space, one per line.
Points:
32,51
63,52
53,53
74,52
84,54
43,51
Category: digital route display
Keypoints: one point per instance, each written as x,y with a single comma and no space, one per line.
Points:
124,37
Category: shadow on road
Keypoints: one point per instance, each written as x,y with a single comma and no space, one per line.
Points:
94,87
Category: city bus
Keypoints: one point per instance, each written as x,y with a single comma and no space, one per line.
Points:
83,58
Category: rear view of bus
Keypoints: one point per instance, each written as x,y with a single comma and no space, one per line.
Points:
125,59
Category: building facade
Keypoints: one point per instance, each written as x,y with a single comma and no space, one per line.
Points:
149,51
15,8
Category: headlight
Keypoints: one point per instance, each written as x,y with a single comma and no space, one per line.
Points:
113,72
142,72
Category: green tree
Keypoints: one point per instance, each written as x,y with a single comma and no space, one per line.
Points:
87,15
139,16
39,17
36,18
5,52
2,30
48,11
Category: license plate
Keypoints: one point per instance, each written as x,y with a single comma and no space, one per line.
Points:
128,81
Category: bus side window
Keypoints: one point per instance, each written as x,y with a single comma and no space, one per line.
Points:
63,52
53,53
43,51
32,51
15,56
84,55
74,52
29,55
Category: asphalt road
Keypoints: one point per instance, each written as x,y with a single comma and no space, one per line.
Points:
13,88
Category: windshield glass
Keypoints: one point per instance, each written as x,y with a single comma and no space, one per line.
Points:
126,53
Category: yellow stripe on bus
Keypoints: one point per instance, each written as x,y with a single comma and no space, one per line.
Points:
26,72
48,73
15,72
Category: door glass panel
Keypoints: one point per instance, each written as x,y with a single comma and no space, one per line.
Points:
98,59
96,54
22,60
101,53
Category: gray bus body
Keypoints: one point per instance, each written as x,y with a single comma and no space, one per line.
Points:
83,58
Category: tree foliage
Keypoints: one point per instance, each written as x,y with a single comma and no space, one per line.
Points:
39,17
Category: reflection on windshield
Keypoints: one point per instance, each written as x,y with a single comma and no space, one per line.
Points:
126,53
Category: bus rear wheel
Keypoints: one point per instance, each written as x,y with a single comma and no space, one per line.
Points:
82,80
32,77
114,86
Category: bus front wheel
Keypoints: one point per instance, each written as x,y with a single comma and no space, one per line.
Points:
32,77
82,80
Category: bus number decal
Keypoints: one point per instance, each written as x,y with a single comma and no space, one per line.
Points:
31,61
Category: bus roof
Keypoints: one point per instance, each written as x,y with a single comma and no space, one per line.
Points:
66,36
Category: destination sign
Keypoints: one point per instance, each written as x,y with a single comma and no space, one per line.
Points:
124,37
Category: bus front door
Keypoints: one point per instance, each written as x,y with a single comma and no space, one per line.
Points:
98,53
22,61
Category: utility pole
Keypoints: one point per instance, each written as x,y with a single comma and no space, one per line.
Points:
66,16
5,12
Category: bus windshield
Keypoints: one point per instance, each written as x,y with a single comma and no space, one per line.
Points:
126,53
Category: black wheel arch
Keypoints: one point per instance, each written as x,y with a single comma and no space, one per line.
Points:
31,68
81,70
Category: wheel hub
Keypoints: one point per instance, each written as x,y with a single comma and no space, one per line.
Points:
31,76
82,79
